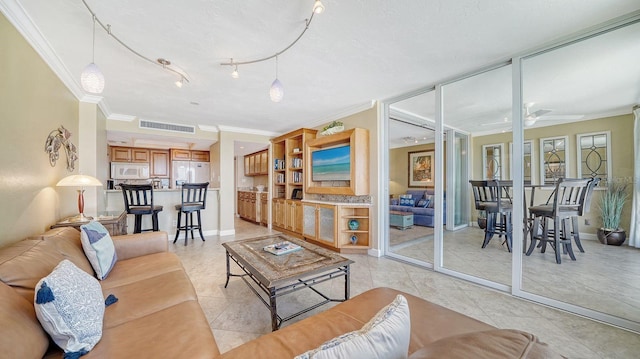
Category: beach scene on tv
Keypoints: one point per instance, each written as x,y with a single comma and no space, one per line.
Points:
331,164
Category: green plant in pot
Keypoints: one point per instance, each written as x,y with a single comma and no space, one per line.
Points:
611,204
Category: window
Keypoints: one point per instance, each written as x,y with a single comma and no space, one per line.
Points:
528,157
594,155
492,160
553,159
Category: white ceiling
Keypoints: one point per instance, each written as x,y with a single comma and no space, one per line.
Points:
353,53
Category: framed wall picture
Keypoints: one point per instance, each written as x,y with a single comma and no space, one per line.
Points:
421,167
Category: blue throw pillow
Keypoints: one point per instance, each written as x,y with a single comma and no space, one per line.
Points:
429,198
70,306
423,203
98,247
407,202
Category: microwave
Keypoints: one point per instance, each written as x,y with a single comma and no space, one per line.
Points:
125,170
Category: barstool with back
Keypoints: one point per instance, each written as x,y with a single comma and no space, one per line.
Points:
138,200
194,199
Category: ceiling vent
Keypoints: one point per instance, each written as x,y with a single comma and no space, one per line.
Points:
171,127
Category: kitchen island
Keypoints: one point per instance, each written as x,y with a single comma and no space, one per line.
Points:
167,219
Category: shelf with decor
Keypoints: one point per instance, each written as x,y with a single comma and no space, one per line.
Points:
338,164
330,225
354,221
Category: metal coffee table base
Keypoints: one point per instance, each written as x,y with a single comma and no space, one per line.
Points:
274,292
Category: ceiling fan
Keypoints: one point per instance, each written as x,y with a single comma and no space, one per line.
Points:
530,118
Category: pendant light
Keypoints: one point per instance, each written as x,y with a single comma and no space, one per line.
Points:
277,90
91,78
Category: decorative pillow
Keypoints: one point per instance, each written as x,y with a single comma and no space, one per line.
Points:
70,306
429,197
424,203
406,196
98,247
386,335
407,202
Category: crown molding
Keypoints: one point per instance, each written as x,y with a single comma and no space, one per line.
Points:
208,128
92,99
247,131
121,117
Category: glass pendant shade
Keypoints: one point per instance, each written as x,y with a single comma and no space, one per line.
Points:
277,91
92,79
528,122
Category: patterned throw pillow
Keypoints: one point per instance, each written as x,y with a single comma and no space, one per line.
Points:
407,202
386,335
70,306
423,203
98,247
429,197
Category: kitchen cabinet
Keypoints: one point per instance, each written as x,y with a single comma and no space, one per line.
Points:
248,208
180,155
200,156
256,164
264,209
159,164
129,154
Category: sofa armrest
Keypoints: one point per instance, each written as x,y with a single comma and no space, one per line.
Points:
140,244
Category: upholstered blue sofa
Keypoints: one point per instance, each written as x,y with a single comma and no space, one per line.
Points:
422,216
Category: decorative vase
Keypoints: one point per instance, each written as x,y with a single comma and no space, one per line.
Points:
354,239
354,224
614,238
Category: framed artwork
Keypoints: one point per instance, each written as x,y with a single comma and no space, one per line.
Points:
421,167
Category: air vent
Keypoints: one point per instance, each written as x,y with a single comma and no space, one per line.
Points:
171,127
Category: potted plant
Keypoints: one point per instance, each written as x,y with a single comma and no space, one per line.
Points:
611,204
332,128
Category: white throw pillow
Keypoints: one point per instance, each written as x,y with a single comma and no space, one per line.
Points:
98,247
70,307
385,336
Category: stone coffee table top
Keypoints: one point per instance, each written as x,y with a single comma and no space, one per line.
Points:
272,270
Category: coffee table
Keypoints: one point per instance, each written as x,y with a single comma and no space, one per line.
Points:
284,274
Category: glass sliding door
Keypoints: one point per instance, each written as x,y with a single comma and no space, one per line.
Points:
578,100
479,105
411,171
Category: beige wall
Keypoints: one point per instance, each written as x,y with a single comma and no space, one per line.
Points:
33,102
621,128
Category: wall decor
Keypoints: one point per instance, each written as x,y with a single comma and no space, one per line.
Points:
421,167
60,138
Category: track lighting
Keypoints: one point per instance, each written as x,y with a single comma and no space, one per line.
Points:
276,91
318,8
92,79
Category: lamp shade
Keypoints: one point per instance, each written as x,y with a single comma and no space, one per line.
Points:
277,91
92,79
79,181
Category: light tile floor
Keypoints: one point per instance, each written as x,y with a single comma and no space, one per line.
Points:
237,316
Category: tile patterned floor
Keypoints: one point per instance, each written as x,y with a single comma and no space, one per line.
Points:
237,316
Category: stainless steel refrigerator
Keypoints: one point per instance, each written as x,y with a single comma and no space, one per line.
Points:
190,172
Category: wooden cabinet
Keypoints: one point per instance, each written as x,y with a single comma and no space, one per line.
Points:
319,224
129,154
287,216
256,164
250,207
264,209
329,225
200,156
180,155
358,183
279,213
159,164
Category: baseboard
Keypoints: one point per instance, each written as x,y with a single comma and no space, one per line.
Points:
374,252
228,232
589,236
212,232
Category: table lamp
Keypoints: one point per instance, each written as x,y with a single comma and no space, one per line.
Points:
79,181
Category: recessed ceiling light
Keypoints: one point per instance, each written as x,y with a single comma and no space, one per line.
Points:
195,103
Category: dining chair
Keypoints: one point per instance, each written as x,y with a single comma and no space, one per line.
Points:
194,199
494,197
569,199
138,200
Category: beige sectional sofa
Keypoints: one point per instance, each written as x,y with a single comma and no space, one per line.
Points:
158,315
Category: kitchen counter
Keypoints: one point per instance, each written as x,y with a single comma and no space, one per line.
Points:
167,218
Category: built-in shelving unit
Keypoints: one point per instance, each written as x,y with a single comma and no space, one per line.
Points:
358,183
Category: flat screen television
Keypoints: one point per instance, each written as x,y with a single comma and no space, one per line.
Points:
331,164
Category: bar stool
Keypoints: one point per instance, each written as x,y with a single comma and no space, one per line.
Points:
138,200
194,199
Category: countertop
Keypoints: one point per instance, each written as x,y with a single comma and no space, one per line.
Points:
162,190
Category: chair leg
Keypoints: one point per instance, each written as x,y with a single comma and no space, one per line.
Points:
178,226
575,230
489,229
200,225
186,228
154,219
191,224
509,231
556,238
137,228
534,235
567,231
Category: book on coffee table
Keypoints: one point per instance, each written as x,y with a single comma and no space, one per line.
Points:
282,248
